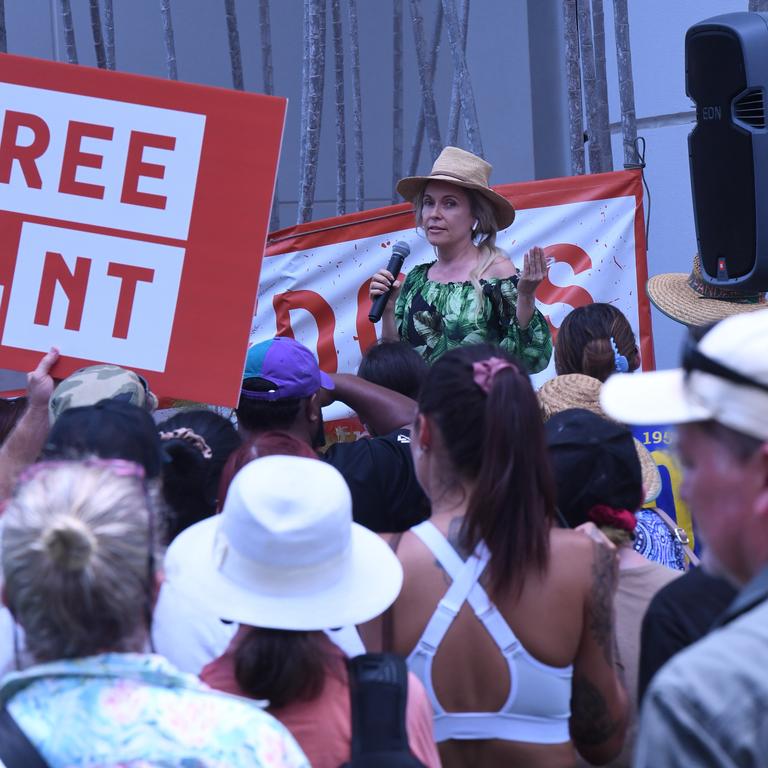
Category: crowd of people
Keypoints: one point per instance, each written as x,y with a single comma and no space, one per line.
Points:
483,579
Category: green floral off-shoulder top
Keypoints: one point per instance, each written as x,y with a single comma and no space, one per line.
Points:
435,317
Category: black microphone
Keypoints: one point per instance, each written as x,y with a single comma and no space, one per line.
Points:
399,251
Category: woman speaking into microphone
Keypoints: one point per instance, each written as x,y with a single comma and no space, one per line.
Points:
472,292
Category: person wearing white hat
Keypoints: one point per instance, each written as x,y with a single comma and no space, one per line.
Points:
706,706
285,561
472,291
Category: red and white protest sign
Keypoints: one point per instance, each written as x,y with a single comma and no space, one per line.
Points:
133,216
314,282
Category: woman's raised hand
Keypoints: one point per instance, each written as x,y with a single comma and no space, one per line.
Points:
535,266
381,283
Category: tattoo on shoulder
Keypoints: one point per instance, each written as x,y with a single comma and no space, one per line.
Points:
591,722
603,588
455,538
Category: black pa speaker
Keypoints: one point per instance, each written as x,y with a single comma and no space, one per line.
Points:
726,75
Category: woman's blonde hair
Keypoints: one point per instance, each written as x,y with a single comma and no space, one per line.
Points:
484,235
78,554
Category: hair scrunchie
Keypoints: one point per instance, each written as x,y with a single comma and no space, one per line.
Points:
191,437
602,514
484,371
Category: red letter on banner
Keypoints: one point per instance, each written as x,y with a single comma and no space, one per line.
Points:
26,155
549,293
55,270
129,275
321,311
135,168
74,157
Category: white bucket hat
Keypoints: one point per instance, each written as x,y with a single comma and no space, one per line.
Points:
284,552
724,378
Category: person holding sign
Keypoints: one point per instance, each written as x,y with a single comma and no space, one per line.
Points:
472,292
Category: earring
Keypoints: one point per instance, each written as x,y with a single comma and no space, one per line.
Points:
475,226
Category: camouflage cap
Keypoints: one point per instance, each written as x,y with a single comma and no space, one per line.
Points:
101,382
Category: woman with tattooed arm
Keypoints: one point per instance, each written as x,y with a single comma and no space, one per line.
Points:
507,619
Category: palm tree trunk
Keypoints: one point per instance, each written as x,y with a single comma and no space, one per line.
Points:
69,31
312,105
418,139
455,113
269,88
357,105
233,35
590,92
3,33
109,34
98,39
601,82
170,45
430,112
397,95
626,83
461,73
341,126
573,75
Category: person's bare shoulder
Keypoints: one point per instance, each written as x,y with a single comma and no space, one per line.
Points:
501,268
571,554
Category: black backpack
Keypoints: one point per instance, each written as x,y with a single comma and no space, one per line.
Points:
16,750
378,690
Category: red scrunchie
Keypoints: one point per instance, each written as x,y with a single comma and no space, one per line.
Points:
601,514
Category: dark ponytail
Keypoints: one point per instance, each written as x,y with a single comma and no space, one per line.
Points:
496,441
284,666
584,342
197,444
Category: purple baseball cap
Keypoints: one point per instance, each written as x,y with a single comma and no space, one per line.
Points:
290,366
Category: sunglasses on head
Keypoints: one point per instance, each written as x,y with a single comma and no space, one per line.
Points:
695,360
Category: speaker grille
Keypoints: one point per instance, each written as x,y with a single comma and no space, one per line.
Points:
750,109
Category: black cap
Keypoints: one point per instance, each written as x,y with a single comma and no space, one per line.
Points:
594,462
111,429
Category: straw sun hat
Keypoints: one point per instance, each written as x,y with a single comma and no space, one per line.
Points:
690,300
284,552
574,390
464,169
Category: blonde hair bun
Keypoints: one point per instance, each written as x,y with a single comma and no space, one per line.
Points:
69,543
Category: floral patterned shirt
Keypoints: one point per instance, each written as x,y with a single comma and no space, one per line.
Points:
655,541
136,711
435,317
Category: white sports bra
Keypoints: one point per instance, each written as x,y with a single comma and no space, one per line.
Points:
538,708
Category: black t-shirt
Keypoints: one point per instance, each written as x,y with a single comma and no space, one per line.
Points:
679,614
386,496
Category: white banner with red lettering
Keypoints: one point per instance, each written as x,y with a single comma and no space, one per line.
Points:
314,280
